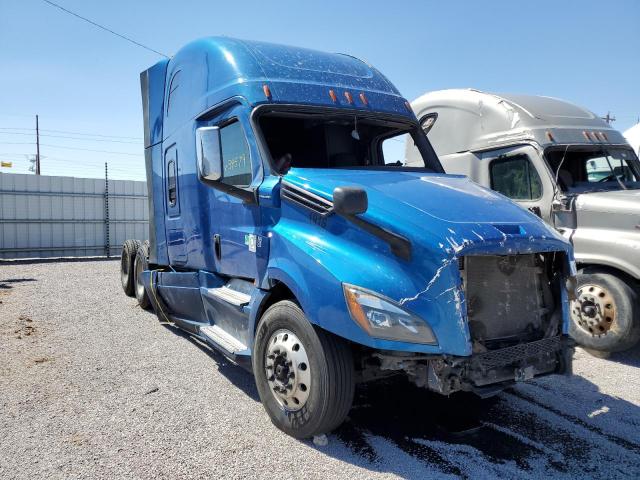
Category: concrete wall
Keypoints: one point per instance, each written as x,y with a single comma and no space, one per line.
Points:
44,216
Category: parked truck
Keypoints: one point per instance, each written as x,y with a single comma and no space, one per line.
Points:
632,136
569,167
283,236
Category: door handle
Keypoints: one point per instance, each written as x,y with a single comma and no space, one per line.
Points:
217,247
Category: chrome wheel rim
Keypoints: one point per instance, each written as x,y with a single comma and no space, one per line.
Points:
594,311
287,370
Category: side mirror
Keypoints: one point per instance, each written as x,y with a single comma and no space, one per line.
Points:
208,153
349,201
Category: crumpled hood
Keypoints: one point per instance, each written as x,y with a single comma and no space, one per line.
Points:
443,217
626,202
446,211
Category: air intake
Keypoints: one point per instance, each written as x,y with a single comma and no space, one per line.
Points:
306,199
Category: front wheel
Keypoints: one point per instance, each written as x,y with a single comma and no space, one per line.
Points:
304,375
606,315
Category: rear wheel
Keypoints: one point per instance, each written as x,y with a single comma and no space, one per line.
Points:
127,259
606,315
140,265
304,375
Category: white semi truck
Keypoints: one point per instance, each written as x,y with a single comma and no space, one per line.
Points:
571,168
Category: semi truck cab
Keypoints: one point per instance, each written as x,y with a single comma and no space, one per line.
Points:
569,167
287,232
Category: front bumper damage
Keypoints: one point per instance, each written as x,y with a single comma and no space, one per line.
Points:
485,373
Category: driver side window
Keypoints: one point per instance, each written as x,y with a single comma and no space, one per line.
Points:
236,161
516,178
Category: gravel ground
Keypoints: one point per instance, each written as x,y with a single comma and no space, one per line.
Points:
91,386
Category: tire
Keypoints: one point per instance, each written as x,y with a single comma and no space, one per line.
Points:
127,259
140,265
616,324
329,372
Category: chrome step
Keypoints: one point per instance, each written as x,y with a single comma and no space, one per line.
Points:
222,338
229,295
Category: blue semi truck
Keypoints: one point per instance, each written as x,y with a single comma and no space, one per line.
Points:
286,232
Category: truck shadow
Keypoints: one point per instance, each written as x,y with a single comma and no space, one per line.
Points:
238,376
552,427
528,429
628,357
9,282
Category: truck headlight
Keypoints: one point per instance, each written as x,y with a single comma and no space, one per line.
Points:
383,318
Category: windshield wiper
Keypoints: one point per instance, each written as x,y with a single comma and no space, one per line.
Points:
606,157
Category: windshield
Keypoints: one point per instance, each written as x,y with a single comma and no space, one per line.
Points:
339,140
591,168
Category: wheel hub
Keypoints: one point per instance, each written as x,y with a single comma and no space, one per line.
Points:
287,370
594,310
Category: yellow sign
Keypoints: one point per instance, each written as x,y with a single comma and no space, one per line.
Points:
6,164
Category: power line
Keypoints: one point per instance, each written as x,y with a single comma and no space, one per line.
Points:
91,134
72,138
91,150
73,148
72,133
24,157
105,28
91,139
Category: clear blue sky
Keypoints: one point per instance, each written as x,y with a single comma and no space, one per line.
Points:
81,79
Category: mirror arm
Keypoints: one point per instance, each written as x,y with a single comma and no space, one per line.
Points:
400,246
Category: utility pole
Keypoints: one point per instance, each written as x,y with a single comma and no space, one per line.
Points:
609,118
37,147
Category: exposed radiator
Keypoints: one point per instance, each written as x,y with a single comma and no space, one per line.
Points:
505,296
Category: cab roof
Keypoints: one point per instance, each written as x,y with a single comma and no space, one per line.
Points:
471,120
209,71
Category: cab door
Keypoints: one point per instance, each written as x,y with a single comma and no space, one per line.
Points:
239,248
520,174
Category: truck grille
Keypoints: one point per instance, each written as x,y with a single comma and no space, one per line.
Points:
517,353
505,297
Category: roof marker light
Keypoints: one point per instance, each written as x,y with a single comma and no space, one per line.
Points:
408,105
604,135
348,96
267,91
550,136
363,99
333,96
586,135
